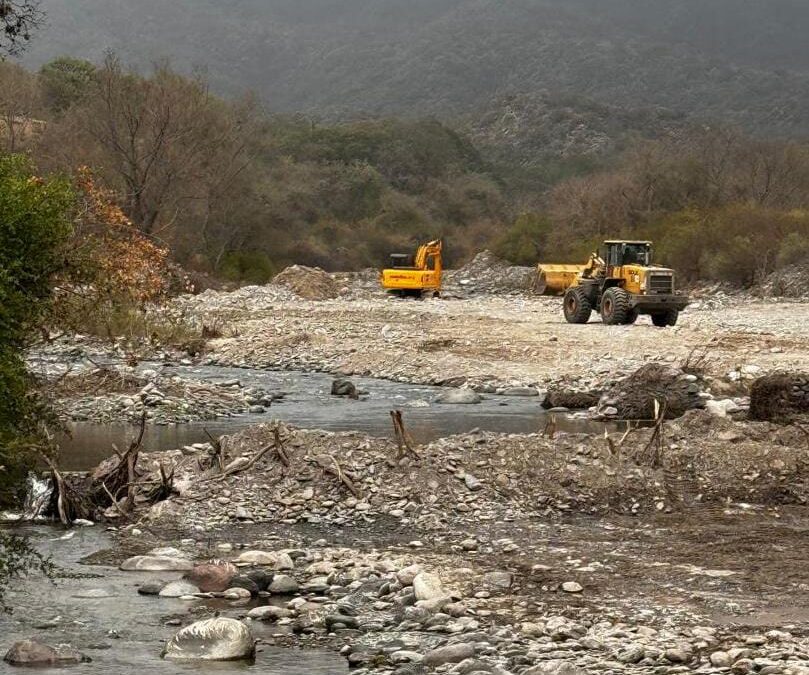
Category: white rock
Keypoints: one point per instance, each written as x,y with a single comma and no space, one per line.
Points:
278,561
177,589
218,639
407,574
428,587
572,587
236,594
145,563
721,408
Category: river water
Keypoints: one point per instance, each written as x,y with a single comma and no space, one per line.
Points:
308,404
123,633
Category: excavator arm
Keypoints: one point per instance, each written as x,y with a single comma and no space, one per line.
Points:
426,251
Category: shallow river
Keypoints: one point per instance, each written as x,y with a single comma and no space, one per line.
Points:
308,404
123,633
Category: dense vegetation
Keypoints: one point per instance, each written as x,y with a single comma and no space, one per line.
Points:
737,61
34,227
238,193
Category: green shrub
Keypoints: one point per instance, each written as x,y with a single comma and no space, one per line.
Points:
524,243
252,267
34,227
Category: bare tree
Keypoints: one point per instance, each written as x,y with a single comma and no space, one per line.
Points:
17,21
166,140
19,100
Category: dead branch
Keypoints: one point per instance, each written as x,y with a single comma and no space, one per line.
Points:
332,466
403,438
217,448
280,450
550,427
653,452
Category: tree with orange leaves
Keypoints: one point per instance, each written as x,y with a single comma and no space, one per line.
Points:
112,269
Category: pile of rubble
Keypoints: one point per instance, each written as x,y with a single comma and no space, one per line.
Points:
309,283
791,282
294,476
246,299
486,273
121,394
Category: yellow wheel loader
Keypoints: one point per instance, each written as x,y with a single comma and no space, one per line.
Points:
415,276
619,282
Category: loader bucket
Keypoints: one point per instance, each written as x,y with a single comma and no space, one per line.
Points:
556,279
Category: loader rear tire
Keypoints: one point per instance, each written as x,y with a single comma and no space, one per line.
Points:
577,305
615,307
667,318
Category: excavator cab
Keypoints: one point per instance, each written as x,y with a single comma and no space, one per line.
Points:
401,261
415,275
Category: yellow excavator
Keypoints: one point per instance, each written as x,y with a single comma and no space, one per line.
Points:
415,276
619,282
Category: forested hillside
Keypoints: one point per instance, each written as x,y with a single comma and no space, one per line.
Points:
737,61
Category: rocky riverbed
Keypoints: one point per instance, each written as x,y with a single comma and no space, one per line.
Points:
626,548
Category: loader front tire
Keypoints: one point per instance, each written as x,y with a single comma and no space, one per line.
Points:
577,305
668,318
615,307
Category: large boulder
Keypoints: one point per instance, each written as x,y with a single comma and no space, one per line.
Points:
458,397
634,397
36,654
149,563
779,397
218,639
283,584
344,388
212,577
449,654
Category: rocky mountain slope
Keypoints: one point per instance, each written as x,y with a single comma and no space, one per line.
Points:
739,62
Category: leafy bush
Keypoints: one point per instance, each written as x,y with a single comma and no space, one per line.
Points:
524,243
252,267
34,227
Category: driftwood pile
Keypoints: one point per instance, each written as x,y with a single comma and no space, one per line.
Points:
117,483
652,388
779,397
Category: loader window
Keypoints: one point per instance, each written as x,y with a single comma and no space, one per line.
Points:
636,254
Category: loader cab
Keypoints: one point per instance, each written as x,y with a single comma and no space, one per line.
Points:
620,253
